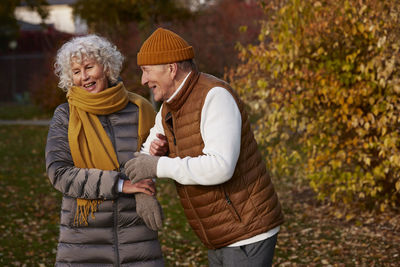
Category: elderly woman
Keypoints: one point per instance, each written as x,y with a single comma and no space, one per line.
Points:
105,220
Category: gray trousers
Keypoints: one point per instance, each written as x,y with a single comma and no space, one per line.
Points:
258,254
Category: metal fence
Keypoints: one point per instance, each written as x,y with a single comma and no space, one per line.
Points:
16,72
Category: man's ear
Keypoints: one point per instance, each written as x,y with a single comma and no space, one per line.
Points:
173,68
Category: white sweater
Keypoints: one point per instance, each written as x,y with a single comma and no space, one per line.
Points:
220,129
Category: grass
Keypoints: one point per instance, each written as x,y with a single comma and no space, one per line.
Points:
29,204
12,111
311,235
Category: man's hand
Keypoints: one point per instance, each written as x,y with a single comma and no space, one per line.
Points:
141,167
148,208
159,147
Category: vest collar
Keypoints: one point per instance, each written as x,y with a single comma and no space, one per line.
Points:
180,98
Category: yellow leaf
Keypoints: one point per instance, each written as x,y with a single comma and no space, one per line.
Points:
360,27
382,207
384,129
341,155
243,28
345,109
398,185
371,117
262,83
349,217
371,100
350,100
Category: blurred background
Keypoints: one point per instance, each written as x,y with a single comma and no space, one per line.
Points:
32,31
321,81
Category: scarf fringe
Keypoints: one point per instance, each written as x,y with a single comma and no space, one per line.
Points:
84,207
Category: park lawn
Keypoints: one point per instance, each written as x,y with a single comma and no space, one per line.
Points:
30,207
311,235
12,111
28,204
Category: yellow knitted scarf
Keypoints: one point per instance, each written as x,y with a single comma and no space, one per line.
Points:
89,143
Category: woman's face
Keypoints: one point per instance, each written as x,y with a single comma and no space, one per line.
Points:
89,75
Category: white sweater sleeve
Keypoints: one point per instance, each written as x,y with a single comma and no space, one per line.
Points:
220,129
157,128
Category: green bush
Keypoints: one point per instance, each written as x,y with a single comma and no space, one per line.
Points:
323,87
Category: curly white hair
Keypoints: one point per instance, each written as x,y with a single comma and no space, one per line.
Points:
92,47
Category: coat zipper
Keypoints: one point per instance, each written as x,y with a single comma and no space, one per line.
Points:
115,206
115,202
112,135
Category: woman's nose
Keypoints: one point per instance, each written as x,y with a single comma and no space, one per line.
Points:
85,75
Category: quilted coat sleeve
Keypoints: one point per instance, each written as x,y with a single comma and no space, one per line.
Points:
64,176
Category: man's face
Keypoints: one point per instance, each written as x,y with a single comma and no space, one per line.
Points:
160,79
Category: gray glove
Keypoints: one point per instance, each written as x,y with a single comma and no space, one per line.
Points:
142,166
149,209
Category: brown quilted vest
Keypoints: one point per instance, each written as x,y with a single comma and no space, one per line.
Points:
242,207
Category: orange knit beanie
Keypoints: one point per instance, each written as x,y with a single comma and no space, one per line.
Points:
163,47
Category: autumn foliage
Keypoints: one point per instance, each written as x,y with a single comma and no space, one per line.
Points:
323,88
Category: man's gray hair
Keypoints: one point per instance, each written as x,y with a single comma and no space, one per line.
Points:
187,65
87,47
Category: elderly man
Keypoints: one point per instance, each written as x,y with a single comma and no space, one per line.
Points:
227,195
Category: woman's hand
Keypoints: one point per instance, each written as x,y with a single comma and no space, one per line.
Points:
146,186
159,147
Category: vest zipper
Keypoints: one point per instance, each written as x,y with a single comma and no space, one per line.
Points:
170,124
169,120
231,207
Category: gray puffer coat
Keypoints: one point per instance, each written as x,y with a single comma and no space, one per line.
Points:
117,236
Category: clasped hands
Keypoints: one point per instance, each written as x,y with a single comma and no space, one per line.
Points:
142,167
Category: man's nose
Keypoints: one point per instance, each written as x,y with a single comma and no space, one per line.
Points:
144,79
